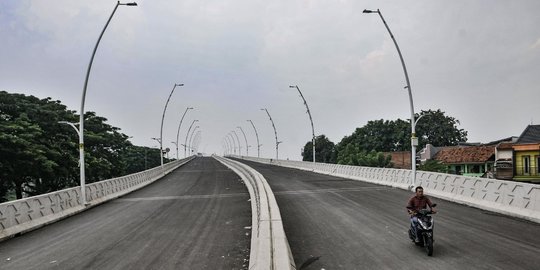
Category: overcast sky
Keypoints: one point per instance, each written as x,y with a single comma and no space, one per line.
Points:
477,60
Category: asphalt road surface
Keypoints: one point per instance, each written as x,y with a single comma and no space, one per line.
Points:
356,225
194,218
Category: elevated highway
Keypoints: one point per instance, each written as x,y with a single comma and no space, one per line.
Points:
199,217
350,224
193,218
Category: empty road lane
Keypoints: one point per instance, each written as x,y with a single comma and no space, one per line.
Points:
193,218
356,225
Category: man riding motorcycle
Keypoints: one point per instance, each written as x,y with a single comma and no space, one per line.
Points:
415,204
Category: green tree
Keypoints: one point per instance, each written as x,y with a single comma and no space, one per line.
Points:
139,158
388,136
22,157
31,147
433,166
324,150
438,129
356,157
104,148
39,155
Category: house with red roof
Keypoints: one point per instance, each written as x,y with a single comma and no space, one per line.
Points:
467,160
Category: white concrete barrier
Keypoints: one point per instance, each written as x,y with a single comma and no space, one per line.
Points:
506,197
269,246
30,213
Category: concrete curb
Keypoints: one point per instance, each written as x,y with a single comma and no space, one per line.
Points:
269,246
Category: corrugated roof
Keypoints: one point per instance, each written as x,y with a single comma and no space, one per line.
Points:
530,135
463,155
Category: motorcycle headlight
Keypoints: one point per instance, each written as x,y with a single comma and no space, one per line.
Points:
423,224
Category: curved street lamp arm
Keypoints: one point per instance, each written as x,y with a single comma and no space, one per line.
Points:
233,142
310,118
187,134
414,140
257,136
275,133
238,139
190,145
81,116
245,138
178,132
71,124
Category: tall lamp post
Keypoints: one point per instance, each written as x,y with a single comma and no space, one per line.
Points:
190,145
233,142
310,119
257,136
187,134
178,132
163,118
239,145
159,141
228,145
414,139
224,147
81,117
275,133
245,138
194,141
176,145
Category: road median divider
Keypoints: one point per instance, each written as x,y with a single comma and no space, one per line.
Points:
269,246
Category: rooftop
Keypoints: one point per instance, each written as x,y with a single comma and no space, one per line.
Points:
462,155
530,135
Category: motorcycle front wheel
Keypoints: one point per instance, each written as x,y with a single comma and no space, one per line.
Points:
429,246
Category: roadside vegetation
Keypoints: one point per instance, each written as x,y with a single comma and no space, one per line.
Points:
365,146
39,155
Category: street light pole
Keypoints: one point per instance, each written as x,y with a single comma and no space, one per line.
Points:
229,145
234,143
245,138
310,119
187,134
194,141
257,136
239,145
81,117
159,141
414,139
190,145
176,145
275,133
178,132
163,118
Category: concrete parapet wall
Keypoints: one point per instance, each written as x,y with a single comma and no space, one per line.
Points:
269,246
506,197
30,213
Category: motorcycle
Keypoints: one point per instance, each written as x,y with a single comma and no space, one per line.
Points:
424,229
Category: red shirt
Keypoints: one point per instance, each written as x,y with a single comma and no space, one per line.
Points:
417,204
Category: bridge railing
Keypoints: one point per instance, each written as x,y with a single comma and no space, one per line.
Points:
269,246
506,197
30,213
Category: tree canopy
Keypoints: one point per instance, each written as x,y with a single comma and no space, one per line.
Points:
324,150
365,145
433,127
40,155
